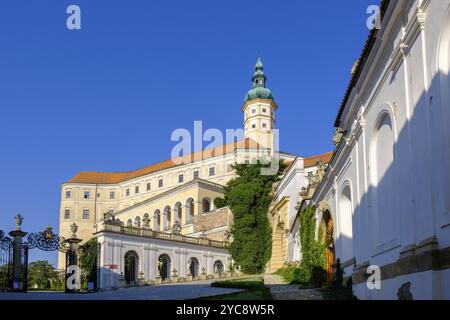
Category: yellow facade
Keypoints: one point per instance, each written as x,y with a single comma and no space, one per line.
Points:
161,191
279,218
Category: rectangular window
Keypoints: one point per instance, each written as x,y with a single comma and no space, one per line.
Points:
180,178
127,192
229,167
196,174
264,110
87,194
160,183
67,214
149,186
136,189
68,194
112,195
253,126
212,171
253,110
86,214
264,125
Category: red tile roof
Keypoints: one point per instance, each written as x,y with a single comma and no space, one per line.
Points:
117,177
360,64
312,161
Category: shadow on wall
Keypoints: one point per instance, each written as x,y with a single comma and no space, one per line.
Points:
407,198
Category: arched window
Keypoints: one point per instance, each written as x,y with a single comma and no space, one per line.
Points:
157,220
167,218
383,178
206,205
131,267
164,266
178,208
218,267
346,217
137,222
189,210
129,223
194,267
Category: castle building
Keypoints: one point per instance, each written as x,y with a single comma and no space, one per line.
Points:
384,199
179,192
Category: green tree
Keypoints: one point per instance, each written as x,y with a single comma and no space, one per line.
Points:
88,256
41,274
249,197
219,203
313,250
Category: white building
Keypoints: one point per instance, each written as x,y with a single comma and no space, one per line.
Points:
132,256
386,192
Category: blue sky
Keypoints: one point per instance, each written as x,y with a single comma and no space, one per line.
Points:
107,97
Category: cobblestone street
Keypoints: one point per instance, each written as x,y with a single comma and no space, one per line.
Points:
282,291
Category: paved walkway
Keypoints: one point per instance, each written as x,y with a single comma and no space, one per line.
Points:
282,291
180,291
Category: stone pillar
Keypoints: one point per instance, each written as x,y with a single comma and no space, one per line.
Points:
18,280
73,286
186,214
198,208
164,221
155,222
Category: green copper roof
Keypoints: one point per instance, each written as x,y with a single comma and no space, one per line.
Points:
259,79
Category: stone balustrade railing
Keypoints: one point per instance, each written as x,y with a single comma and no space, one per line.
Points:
148,233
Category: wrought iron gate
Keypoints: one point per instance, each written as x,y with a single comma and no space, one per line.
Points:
14,258
5,262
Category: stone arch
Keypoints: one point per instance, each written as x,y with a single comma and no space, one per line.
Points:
157,220
219,267
382,174
346,220
206,205
146,220
178,209
190,209
328,228
131,263
137,222
194,267
167,218
164,266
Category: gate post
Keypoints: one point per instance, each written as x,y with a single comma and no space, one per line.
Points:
73,272
19,275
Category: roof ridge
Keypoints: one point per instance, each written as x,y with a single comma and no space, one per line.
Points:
121,176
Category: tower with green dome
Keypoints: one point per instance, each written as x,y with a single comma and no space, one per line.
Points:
259,111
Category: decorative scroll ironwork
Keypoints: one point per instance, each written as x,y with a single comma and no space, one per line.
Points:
5,261
47,240
5,241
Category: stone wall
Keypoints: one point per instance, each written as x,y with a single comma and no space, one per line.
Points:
212,220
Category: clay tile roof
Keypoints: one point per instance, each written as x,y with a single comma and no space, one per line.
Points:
312,161
359,65
117,177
